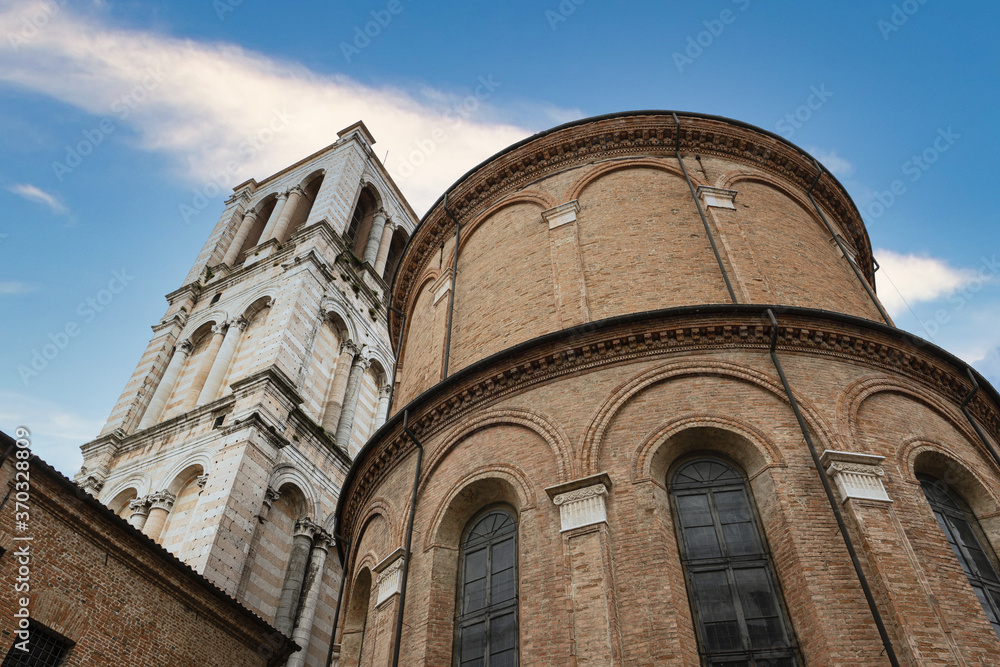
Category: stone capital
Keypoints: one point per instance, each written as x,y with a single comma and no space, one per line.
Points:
563,214
306,527
163,500
389,576
282,195
220,328
717,197
202,480
139,505
350,346
856,475
185,346
384,391
242,323
582,502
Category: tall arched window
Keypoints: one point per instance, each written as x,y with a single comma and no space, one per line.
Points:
737,609
962,530
486,623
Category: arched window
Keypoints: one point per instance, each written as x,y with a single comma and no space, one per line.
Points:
486,624
737,609
962,530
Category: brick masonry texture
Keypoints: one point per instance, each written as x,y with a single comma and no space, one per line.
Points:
570,393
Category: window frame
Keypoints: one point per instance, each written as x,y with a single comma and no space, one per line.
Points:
462,620
729,564
36,630
991,590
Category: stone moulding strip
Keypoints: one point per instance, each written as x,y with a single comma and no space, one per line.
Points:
658,334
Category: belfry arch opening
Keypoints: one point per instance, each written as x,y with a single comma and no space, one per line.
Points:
360,224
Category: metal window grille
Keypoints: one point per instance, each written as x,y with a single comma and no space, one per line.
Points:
738,611
45,649
486,632
965,536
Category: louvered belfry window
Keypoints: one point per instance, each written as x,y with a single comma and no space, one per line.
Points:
963,532
738,612
486,625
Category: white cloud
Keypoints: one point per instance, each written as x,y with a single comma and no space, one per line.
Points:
840,167
910,278
197,102
36,194
16,287
56,433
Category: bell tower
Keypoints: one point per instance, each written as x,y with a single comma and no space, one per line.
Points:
270,369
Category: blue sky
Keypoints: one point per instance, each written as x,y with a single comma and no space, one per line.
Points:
124,124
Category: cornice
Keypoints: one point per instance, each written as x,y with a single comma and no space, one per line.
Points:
650,133
652,335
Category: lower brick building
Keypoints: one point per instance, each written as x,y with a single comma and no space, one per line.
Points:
99,592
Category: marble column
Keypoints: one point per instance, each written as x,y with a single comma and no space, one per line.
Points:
310,596
288,602
233,253
335,399
346,423
166,386
383,405
140,512
374,238
383,248
272,220
222,361
205,365
159,507
295,199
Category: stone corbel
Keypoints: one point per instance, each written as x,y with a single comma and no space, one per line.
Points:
582,502
389,577
856,475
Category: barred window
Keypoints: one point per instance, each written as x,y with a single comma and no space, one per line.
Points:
739,615
45,649
486,631
964,534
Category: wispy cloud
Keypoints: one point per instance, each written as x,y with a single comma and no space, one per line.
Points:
37,195
56,432
841,167
210,97
910,278
16,287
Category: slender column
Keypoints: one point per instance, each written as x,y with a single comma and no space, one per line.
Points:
335,400
207,360
166,386
374,237
383,248
159,507
140,512
383,405
222,361
294,575
272,220
295,198
310,595
346,423
241,236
